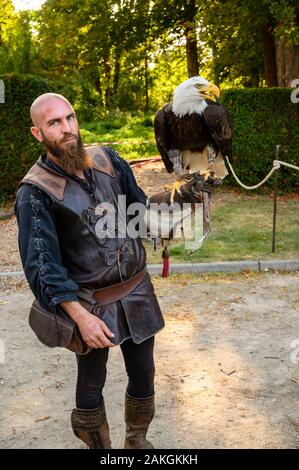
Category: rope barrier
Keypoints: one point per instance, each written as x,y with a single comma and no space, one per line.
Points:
278,162
276,166
124,142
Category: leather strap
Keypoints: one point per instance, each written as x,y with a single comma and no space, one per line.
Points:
110,294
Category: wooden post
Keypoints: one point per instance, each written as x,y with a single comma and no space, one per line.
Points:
275,203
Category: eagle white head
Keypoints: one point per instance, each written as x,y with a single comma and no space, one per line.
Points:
189,97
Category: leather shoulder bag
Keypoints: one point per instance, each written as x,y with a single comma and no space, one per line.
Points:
59,330
56,330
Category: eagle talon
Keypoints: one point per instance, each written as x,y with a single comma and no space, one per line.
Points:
207,174
176,188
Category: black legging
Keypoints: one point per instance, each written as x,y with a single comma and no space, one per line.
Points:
140,369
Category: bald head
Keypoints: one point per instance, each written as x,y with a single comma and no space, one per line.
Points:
54,120
44,104
55,125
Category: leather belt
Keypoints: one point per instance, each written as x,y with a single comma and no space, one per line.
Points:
110,294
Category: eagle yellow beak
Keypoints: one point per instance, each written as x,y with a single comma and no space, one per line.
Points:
210,91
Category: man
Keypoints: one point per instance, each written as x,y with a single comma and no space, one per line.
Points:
63,253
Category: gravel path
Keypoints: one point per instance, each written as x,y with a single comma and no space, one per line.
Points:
227,361
226,365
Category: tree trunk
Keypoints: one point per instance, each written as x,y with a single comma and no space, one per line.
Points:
96,79
146,84
116,76
269,55
108,91
191,50
25,63
189,26
287,59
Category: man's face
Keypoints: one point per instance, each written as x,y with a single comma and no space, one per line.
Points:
57,128
57,122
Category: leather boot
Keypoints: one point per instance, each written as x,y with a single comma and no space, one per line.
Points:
91,427
139,413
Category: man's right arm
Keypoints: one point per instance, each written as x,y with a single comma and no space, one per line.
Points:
39,249
42,263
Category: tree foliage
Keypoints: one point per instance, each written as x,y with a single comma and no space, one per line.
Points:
245,39
17,48
130,54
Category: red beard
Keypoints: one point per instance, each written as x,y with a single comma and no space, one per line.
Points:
71,158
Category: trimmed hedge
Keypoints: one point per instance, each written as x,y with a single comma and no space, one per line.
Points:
263,118
18,148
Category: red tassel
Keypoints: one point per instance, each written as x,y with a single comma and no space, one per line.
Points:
165,272
165,256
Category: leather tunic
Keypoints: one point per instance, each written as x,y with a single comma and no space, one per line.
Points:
93,257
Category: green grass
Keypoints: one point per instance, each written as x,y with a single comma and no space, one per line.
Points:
241,227
131,131
242,230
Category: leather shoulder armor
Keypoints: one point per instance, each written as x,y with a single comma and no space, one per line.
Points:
101,161
45,179
55,184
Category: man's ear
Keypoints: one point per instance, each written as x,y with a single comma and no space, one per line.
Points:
36,133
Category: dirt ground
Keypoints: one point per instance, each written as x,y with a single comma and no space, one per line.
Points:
227,362
226,368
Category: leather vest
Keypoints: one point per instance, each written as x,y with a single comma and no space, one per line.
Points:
91,255
93,259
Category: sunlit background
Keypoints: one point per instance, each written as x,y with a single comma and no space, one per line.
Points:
118,62
27,4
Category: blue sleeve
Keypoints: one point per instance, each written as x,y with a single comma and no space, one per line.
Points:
133,192
40,250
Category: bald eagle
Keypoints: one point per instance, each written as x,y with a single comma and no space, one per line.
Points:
193,132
